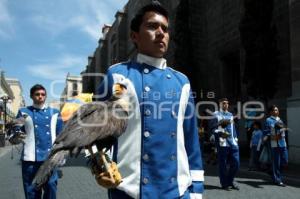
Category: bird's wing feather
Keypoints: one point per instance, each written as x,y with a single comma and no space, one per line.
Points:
46,169
97,122
87,135
73,124
76,136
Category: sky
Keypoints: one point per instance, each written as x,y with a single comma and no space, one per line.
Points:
41,41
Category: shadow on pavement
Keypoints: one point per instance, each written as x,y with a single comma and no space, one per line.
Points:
211,187
255,184
290,180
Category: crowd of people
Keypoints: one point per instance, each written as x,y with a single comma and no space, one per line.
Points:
266,144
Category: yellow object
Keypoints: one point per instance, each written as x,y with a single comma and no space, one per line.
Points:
72,105
68,110
85,97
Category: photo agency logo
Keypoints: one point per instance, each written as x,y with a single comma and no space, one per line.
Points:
249,110
160,105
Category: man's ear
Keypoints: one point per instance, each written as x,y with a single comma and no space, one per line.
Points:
134,37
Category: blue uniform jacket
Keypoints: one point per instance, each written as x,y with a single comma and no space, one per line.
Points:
277,136
232,140
159,154
256,137
41,127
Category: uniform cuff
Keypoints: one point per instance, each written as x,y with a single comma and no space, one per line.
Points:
197,175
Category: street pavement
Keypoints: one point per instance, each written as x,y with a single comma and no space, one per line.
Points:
78,183
256,185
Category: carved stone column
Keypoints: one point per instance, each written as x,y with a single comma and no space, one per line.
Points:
293,103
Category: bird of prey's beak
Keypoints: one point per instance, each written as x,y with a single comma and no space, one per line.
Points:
119,89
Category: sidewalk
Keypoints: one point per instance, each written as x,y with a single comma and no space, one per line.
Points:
6,149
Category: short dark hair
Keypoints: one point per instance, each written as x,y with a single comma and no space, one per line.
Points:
271,108
36,87
257,123
223,99
154,6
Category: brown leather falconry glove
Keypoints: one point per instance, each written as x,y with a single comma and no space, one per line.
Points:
106,172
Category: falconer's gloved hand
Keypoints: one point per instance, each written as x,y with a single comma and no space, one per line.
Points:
105,171
224,123
109,179
225,134
17,138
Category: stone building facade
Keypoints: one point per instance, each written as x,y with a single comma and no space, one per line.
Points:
216,54
11,99
293,102
7,96
72,88
17,90
243,50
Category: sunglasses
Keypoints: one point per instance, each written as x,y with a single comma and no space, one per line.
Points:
38,94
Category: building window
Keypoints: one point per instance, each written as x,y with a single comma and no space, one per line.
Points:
75,87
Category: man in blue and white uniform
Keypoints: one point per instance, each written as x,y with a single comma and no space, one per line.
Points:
275,132
159,154
226,139
42,125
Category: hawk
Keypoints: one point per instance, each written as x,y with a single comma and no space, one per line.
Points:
96,123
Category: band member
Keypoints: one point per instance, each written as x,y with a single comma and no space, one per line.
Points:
42,125
227,145
275,131
159,154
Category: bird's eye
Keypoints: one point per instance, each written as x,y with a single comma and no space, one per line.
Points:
123,86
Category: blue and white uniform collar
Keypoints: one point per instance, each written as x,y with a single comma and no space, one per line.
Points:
37,106
275,118
223,112
159,63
